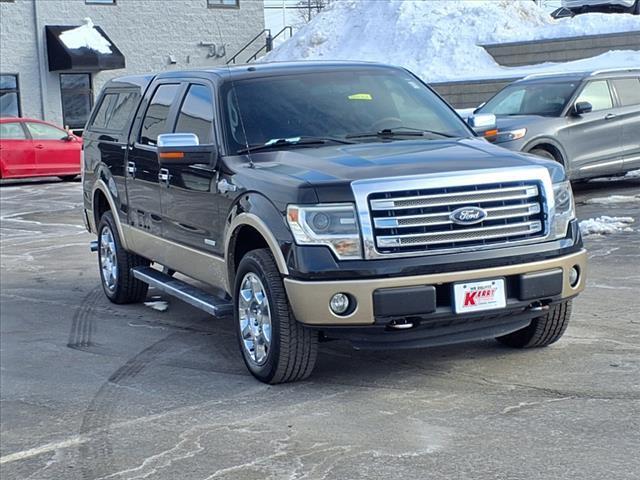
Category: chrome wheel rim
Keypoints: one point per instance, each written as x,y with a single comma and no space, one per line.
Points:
108,259
255,319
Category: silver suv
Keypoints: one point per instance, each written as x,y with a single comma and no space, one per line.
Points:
589,122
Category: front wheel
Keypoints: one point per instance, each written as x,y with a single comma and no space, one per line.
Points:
115,264
275,347
542,331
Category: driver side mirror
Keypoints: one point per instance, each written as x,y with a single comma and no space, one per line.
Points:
184,149
484,124
581,108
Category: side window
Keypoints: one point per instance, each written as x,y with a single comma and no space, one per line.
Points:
42,131
101,116
628,91
123,110
597,94
11,131
155,121
196,114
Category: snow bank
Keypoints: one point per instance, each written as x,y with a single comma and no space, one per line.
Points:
438,40
613,199
86,36
606,225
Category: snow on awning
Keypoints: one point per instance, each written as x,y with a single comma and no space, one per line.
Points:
84,48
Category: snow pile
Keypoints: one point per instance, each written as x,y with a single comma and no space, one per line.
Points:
159,305
439,40
613,199
86,36
605,225
633,174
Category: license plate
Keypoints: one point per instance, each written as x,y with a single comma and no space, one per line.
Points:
479,296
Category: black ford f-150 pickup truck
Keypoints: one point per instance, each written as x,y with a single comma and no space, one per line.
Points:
317,201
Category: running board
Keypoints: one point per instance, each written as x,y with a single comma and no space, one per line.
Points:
216,306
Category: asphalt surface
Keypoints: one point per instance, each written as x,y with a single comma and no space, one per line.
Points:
91,390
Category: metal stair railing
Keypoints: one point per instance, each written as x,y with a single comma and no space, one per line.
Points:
269,44
249,43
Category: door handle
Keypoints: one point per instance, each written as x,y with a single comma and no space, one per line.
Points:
164,176
131,169
610,116
39,147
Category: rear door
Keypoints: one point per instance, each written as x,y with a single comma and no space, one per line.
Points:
143,186
55,153
627,92
17,155
189,196
594,138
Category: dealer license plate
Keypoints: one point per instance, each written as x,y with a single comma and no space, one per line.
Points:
479,296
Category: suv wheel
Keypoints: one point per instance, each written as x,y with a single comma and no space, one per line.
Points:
540,152
542,331
275,347
115,264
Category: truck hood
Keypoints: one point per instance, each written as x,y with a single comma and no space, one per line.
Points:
331,169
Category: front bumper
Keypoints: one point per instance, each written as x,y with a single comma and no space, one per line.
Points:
310,300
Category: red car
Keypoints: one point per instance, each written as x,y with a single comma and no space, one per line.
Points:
33,148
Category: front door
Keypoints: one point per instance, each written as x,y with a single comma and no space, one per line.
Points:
189,197
143,185
17,156
593,139
55,153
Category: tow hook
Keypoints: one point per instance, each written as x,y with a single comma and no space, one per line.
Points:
403,325
93,246
538,307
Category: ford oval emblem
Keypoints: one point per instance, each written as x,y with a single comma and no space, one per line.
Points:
468,215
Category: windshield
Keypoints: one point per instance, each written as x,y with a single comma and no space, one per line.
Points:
333,105
545,99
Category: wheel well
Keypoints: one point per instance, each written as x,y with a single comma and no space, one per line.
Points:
100,205
244,239
547,147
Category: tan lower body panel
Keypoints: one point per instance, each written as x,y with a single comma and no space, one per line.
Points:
310,300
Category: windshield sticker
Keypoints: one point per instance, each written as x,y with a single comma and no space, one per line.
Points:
361,96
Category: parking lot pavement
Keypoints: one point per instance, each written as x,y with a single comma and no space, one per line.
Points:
92,390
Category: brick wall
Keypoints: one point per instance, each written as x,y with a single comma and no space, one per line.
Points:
146,31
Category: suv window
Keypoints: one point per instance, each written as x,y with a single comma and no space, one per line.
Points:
100,119
42,131
628,90
196,114
597,94
155,121
11,131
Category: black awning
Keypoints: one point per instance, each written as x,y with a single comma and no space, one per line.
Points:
83,48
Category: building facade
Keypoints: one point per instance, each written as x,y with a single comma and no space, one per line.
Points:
52,70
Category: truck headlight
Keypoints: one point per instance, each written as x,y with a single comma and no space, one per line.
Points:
333,225
565,207
510,135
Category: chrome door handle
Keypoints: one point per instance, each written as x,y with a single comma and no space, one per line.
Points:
164,175
131,169
610,116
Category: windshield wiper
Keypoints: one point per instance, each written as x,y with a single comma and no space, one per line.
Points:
292,142
399,132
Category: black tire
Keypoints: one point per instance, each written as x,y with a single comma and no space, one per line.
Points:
68,178
126,288
293,348
540,152
636,9
543,330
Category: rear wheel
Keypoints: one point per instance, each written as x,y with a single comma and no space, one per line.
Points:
115,265
636,10
68,178
542,331
275,347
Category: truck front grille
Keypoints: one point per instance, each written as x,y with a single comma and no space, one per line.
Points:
420,220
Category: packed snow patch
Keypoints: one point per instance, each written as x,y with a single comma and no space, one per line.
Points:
86,36
612,199
440,40
605,225
159,305
633,174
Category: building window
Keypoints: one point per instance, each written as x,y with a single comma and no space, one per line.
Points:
77,99
100,2
223,3
9,96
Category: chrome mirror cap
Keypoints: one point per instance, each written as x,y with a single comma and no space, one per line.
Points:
483,121
178,140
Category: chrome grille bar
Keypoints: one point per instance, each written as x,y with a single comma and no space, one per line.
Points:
456,198
461,235
429,219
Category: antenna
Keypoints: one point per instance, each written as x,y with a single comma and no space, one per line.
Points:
235,99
